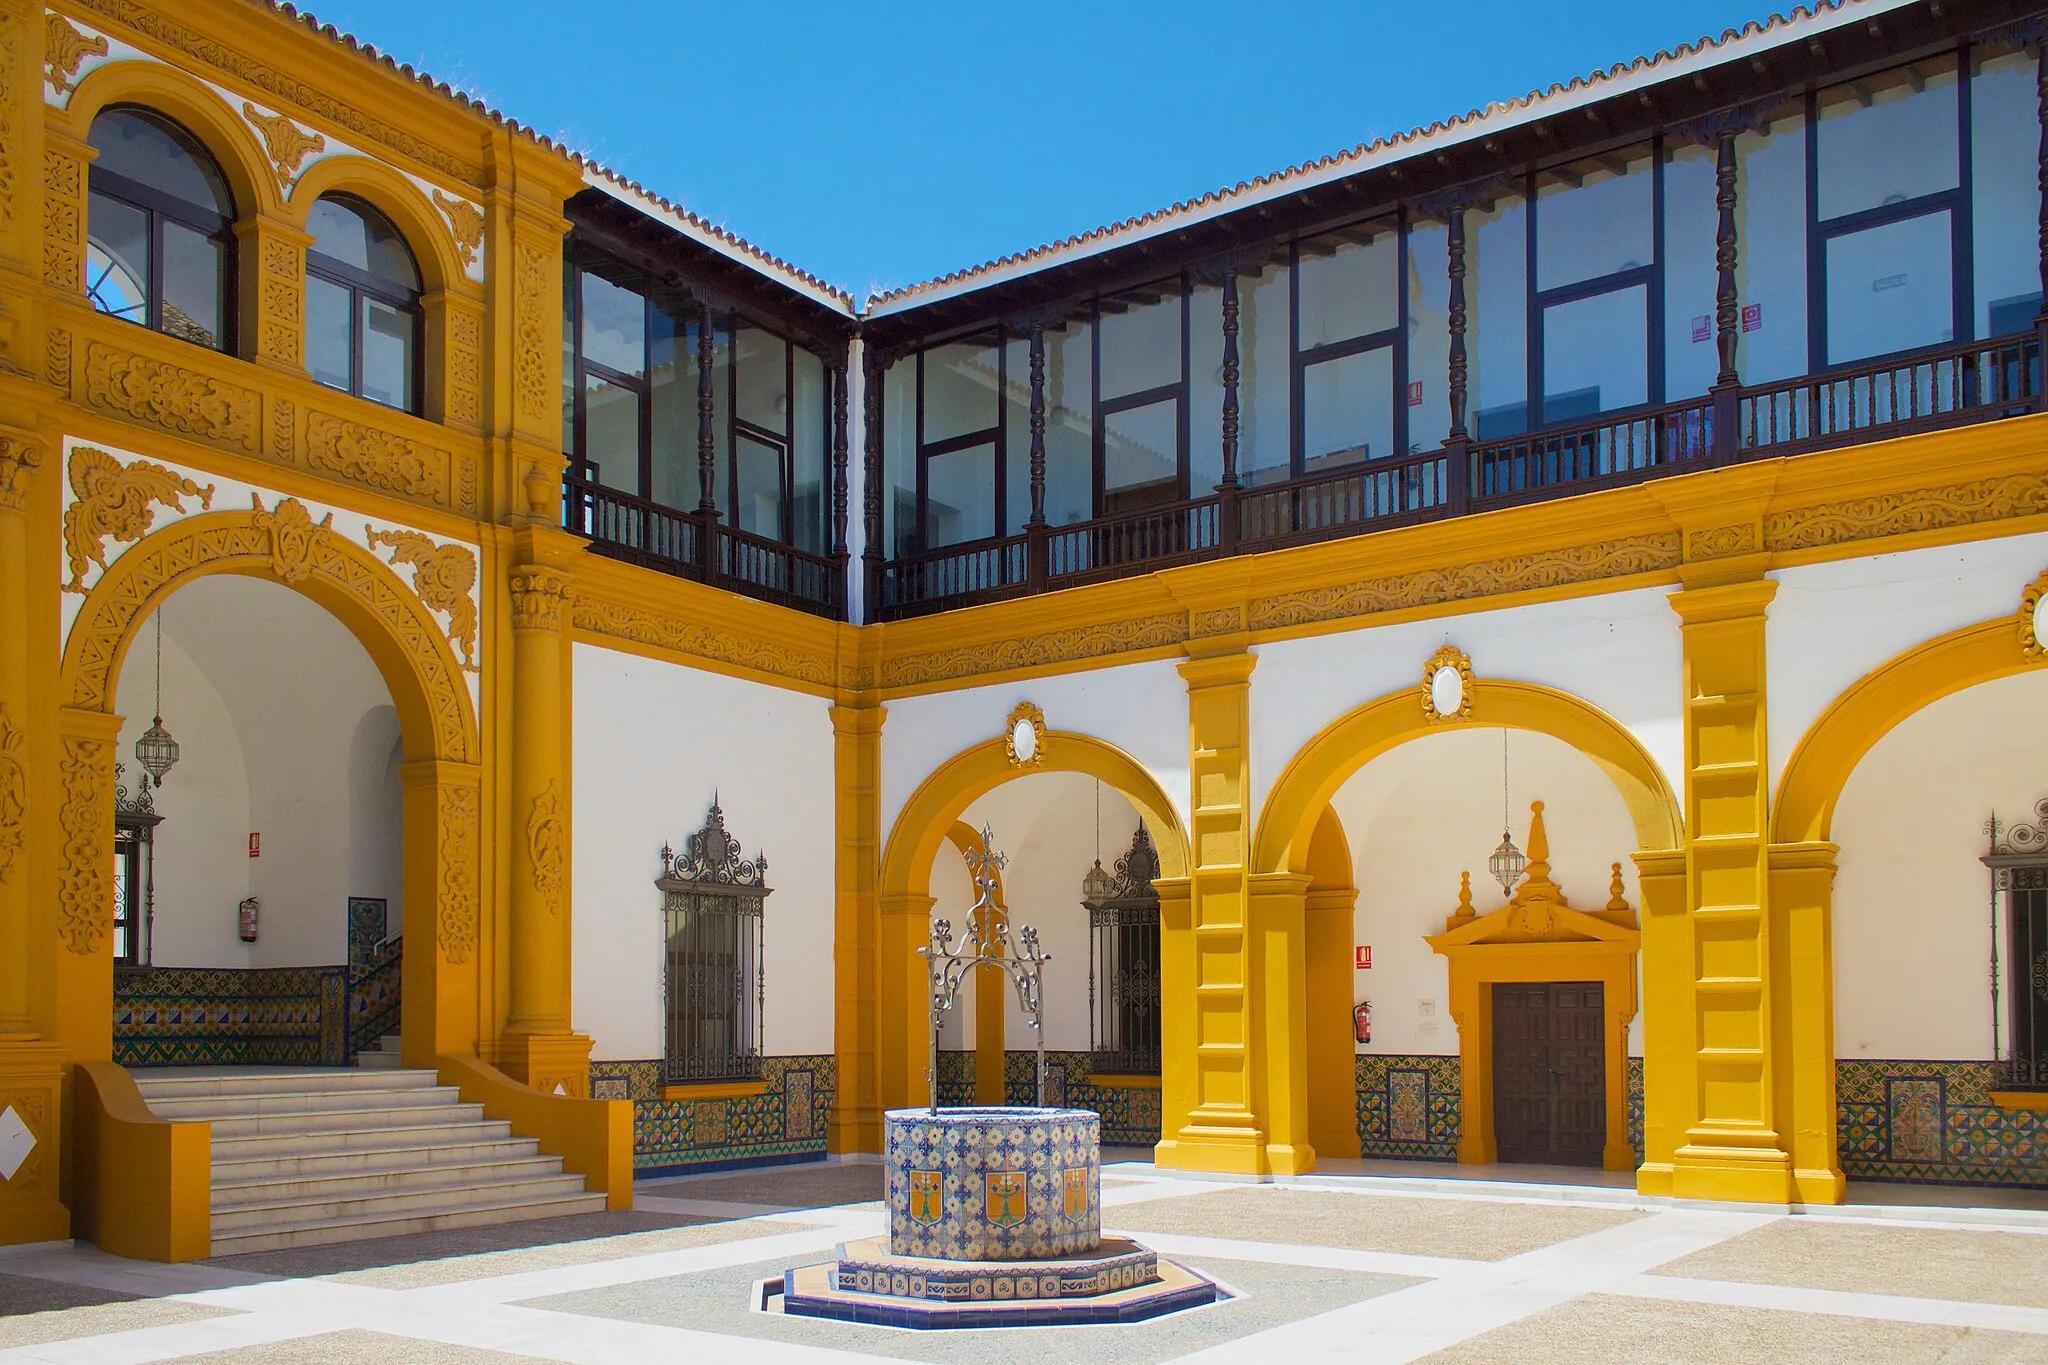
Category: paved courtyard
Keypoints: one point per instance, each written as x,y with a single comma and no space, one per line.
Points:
1383,1266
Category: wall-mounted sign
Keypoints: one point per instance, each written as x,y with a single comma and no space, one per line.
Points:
255,846
1365,957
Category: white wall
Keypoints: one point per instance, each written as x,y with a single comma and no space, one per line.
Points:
270,699
1832,623
1140,708
1618,651
1418,816
653,742
1912,903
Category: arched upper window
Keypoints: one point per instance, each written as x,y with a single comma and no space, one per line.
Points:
159,229
362,304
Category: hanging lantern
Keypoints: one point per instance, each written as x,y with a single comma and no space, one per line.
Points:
156,751
1507,864
1097,885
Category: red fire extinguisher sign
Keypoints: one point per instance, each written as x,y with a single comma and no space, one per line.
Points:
1364,957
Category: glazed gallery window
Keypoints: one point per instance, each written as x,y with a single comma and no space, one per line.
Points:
714,978
634,374
159,229
362,304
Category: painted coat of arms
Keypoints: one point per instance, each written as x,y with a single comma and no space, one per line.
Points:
1076,1184
1006,1203
927,1197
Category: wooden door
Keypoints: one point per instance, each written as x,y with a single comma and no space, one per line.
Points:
1550,1072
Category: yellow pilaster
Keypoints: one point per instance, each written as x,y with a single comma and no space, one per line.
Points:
271,291
1670,1078
1733,1147
1802,882
1179,1044
1238,1057
443,855
21,185
538,1046
857,766
1328,920
903,1007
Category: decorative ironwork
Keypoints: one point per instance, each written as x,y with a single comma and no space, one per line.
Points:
135,822
2018,859
715,972
1123,955
986,939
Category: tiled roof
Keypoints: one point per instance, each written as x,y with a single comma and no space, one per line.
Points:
1620,78
628,191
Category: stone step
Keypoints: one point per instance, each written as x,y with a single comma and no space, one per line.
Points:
376,1059
342,1206
486,1213
257,1159
179,1085
427,1128
345,1120
244,1190
354,1099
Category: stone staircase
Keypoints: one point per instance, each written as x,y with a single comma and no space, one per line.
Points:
305,1158
382,1056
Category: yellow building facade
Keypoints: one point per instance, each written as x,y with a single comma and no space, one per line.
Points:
1729,688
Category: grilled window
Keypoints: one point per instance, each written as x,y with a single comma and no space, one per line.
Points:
2019,870
715,981
1123,966
135,822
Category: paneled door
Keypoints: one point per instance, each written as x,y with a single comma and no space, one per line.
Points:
1549,1072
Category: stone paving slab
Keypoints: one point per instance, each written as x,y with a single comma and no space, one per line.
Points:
1599,1329
818,1185
355,1347
457,1270
1468,1230
343,1257
25,1328
716,1301
1881,1258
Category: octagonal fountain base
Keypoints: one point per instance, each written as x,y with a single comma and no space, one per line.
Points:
995,1220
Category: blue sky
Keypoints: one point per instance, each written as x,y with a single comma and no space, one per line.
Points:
878,145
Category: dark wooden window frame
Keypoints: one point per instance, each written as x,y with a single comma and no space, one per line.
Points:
362,285
162,207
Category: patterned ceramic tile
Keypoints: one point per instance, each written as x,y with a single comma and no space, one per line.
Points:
785,1122
993,1184
221,1016
1934,1123
1408,1107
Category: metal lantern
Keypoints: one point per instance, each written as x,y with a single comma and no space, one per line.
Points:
1097,885
156,751
1507,864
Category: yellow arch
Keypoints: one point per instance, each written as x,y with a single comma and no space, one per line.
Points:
1288,821
195,107
1872,707
412,654
398,199
954,785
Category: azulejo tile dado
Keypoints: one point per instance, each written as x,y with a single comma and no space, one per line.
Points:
785,1122
1934,1123
226,1016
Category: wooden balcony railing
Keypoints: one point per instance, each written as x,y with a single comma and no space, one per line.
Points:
1618,449
656,537
1977,381
955,576
1344,501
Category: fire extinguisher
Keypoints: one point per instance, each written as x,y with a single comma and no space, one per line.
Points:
248,908
1361,1021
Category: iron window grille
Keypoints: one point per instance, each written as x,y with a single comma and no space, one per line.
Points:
135,822
1123,966
2019,869
715,982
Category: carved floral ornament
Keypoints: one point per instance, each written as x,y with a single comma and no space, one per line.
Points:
286,143
64,49
465,225
546,840
117,500
2033,618
1024,736
21,455
293,533
443,576
1447,686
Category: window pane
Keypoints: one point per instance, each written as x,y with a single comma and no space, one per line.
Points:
327,332
611,434
1888,138
1347,410
959,389
1140,459
757,494
1429,336
1497,335
1017,434
672,398
157,153
1890,288
614,326
1594,217
812,457
195,281
763,380
1265,377
357,235
387,354
899,458
1596,354
960,496
117,258
1349,284
2005,135
1770,256
1141,340
1691,279
1205,389
1069,425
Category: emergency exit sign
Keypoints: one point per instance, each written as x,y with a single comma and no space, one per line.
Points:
1365,957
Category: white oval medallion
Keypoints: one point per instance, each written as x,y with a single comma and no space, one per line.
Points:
1024,739
1447,691
2041,621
